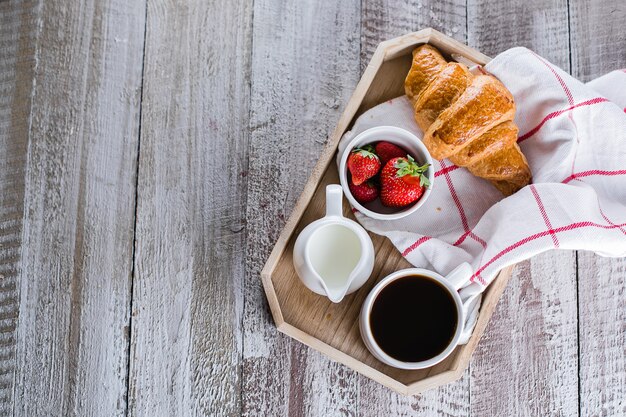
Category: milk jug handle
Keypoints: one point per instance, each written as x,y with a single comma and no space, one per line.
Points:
334,196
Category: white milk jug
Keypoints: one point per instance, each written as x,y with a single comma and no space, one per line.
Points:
333,256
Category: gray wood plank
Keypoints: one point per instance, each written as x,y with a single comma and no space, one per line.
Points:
17,61
382,20
386,19
598,37
305,66
189,261
73,142
526,363
496,26
452,400
602,315
598,41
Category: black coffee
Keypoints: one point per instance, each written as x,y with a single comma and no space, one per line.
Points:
413,319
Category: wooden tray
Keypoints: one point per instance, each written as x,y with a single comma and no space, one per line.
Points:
333,329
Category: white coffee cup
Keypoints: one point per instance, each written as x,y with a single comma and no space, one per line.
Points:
458,279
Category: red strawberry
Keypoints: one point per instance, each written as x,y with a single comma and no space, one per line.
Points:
387,151
403,181
365,192
363,164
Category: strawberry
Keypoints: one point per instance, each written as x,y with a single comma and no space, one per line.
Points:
365,192
403,181
387,151
363,164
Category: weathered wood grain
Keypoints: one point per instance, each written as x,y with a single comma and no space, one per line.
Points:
598,37
542,26
77,106
382,20
526,363
450,400
305,66
189,260
17,62
598,42
602,324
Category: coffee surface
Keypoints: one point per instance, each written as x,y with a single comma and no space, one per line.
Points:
413,319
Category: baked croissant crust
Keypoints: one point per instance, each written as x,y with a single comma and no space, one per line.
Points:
467,118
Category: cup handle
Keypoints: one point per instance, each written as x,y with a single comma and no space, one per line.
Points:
334,200
470,296
460,275
470,314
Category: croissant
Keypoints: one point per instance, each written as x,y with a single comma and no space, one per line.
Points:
467,118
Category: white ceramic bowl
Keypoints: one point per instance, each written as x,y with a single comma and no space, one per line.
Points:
402,138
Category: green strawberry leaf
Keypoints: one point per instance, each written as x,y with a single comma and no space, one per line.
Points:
408,166
366,151
369,148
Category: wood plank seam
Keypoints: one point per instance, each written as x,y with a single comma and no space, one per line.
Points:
578,379
247,233
187,293
134,238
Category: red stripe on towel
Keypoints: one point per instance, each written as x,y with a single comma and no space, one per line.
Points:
558,113
536,236
416,244
544,215
589,173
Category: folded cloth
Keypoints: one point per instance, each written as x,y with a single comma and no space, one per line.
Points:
574,137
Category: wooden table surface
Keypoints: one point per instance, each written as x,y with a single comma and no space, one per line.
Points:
150,152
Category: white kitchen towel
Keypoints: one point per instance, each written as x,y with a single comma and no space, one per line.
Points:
574,137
